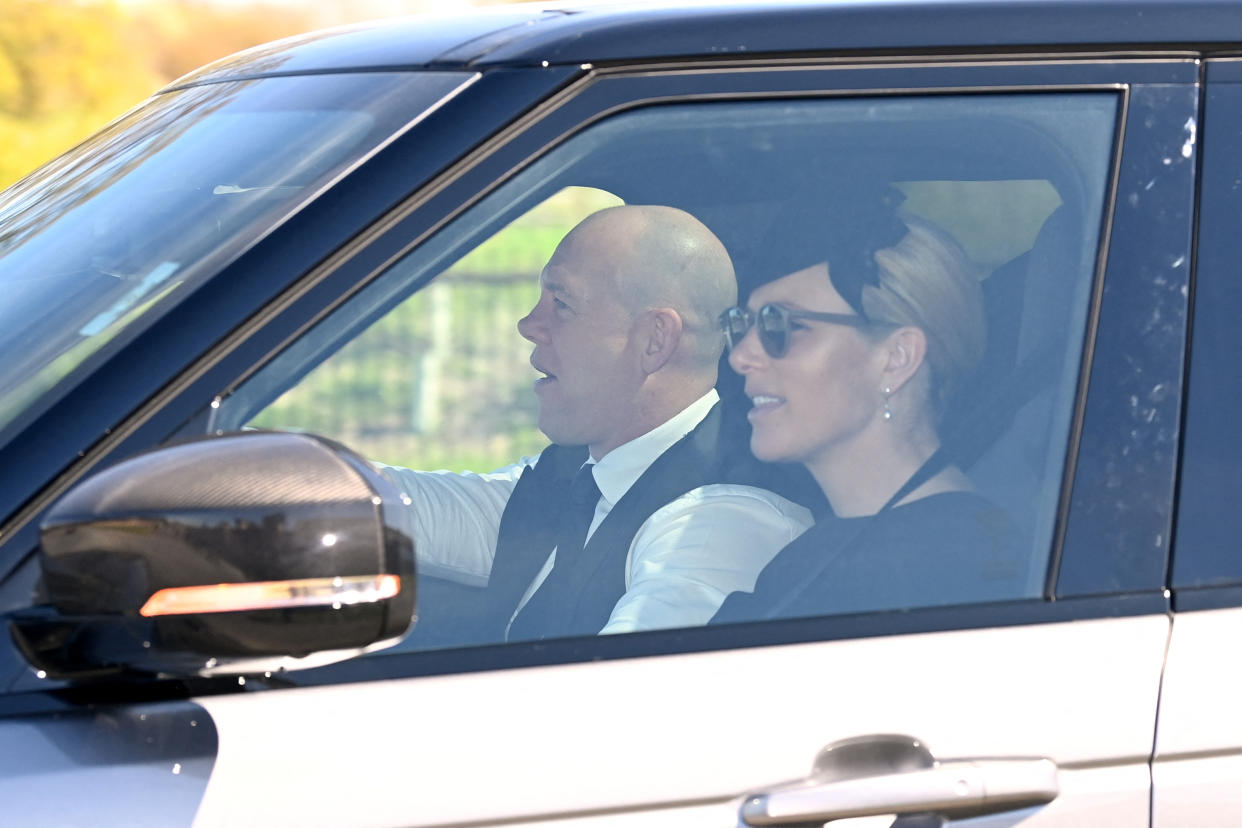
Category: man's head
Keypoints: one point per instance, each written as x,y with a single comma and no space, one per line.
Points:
625,327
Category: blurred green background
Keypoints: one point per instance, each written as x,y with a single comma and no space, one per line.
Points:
443,381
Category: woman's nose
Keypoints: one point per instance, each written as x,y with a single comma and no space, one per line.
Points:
746,355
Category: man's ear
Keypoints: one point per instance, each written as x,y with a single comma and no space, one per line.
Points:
662,329
904,351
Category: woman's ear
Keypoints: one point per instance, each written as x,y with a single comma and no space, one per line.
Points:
904,351
662,328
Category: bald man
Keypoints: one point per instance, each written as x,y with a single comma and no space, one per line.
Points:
627,348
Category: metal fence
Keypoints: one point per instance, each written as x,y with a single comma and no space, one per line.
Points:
442,381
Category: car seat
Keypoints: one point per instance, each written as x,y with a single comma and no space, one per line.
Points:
1009,426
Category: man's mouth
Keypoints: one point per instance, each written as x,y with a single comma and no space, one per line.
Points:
547,377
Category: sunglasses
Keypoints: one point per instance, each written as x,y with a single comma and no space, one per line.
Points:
776,325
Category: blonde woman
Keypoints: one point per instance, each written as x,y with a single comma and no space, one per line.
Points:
849,364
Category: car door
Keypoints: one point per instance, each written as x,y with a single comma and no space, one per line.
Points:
1197,746
1039,707
688,727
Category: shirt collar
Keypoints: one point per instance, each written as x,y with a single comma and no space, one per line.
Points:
622,466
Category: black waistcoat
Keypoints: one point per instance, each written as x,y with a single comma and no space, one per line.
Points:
709,454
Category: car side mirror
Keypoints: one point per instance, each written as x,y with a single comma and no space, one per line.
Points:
239,553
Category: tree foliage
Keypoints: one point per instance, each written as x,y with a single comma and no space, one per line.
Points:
69,66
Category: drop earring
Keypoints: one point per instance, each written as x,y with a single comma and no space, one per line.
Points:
888,412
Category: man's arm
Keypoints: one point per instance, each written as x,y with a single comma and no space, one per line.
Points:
696,550
456,518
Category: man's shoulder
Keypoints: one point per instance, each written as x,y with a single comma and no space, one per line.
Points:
717,498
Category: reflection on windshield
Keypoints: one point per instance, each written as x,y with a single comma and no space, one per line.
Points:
159,201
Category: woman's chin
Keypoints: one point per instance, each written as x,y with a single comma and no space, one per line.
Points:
769,450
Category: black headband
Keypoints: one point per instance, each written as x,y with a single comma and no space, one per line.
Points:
846,233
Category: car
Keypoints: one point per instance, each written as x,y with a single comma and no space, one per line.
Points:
226,308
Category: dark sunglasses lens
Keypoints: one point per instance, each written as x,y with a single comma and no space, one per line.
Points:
774,330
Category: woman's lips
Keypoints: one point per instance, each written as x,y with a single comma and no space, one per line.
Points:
762,405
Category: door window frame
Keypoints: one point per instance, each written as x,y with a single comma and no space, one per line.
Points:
1207,514
1159,92
1162,89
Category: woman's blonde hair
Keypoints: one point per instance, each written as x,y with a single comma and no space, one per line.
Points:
926,280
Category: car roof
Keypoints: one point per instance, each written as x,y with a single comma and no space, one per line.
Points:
600,33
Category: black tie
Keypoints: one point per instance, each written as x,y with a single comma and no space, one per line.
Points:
542,614
583,498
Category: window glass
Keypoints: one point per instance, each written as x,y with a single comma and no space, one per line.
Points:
101,241
910,280
442,380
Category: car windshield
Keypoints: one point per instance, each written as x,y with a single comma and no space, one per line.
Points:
99,243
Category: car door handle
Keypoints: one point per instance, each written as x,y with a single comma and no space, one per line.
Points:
886,774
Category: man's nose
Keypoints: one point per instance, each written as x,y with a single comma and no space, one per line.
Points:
747,354
530,326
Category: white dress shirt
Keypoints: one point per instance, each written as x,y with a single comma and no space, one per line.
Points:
683,561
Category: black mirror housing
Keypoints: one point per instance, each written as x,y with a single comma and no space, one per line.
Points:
246,552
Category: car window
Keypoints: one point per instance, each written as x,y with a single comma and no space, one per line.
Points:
133,219
963,234
446,367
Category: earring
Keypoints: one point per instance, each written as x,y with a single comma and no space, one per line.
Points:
888,412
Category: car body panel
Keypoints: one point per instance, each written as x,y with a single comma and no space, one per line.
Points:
125,765
1209,522
677,727
652,736
1198,761
418,42
601,33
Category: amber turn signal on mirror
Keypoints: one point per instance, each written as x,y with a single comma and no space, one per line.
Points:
304,592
